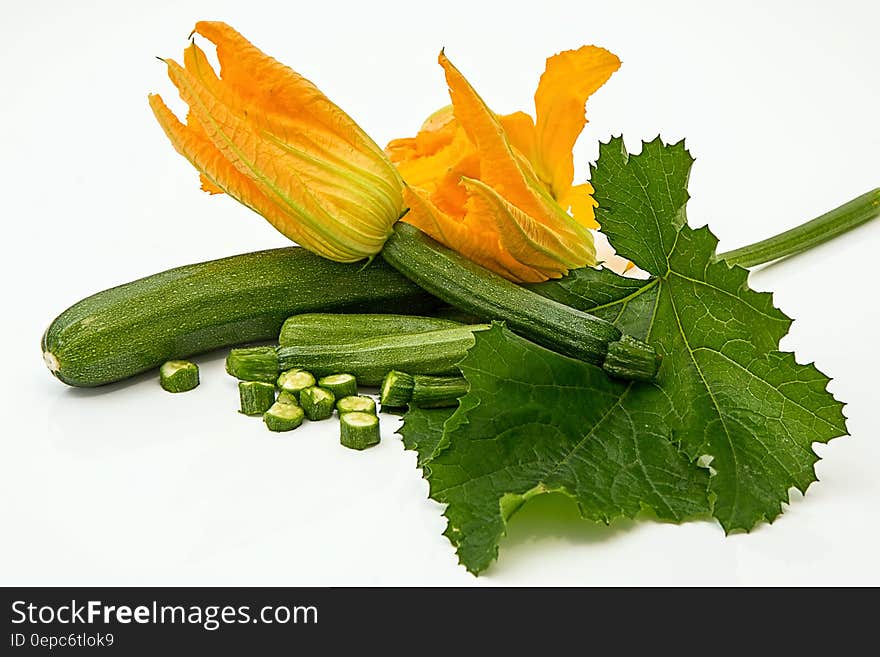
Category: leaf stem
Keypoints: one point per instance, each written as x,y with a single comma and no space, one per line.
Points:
821,229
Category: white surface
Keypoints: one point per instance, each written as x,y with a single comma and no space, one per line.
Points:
131,485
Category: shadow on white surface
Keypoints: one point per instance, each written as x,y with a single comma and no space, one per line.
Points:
548,520
552,522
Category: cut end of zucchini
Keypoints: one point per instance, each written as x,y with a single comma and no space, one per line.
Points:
358,430
295,381
356,404
253,364
317,403
283,417
285,397
51,361
396,390
336,379
341,385
361,420
178,375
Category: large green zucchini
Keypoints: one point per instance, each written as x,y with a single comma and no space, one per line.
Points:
177,313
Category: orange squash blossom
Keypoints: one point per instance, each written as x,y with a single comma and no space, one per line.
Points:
499,189
269,138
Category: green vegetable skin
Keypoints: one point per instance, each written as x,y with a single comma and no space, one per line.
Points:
136,327
255,397
399,389
179,376
359,430
255,364
474,289
432,352
317,403
341,385
334,328
437,391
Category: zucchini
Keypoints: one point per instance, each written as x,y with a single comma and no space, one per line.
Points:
255,397
437,391
179,376
294,381
136,327
358,430
333,328
284,397
476,290
400,389
396,390
318,403
341,385
283,417
356,404
431,352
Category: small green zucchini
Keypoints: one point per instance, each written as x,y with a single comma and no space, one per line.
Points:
136,327
429,352
400,389
359,430
333,328
476,290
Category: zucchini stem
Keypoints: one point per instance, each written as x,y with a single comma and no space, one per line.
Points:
838,221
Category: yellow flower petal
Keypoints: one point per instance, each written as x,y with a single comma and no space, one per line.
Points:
499,167
288,104
580,203
499,188
568,80
475,240
297,211
268,137
430,155
437,132
208,186
218,171
510,176
334,157
520,130
531,243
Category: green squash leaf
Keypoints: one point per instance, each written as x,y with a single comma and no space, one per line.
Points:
737,401
544,422
534,421
422,430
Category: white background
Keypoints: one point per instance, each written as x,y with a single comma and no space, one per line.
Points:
131,485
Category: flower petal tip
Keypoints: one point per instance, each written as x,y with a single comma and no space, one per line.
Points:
269,138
